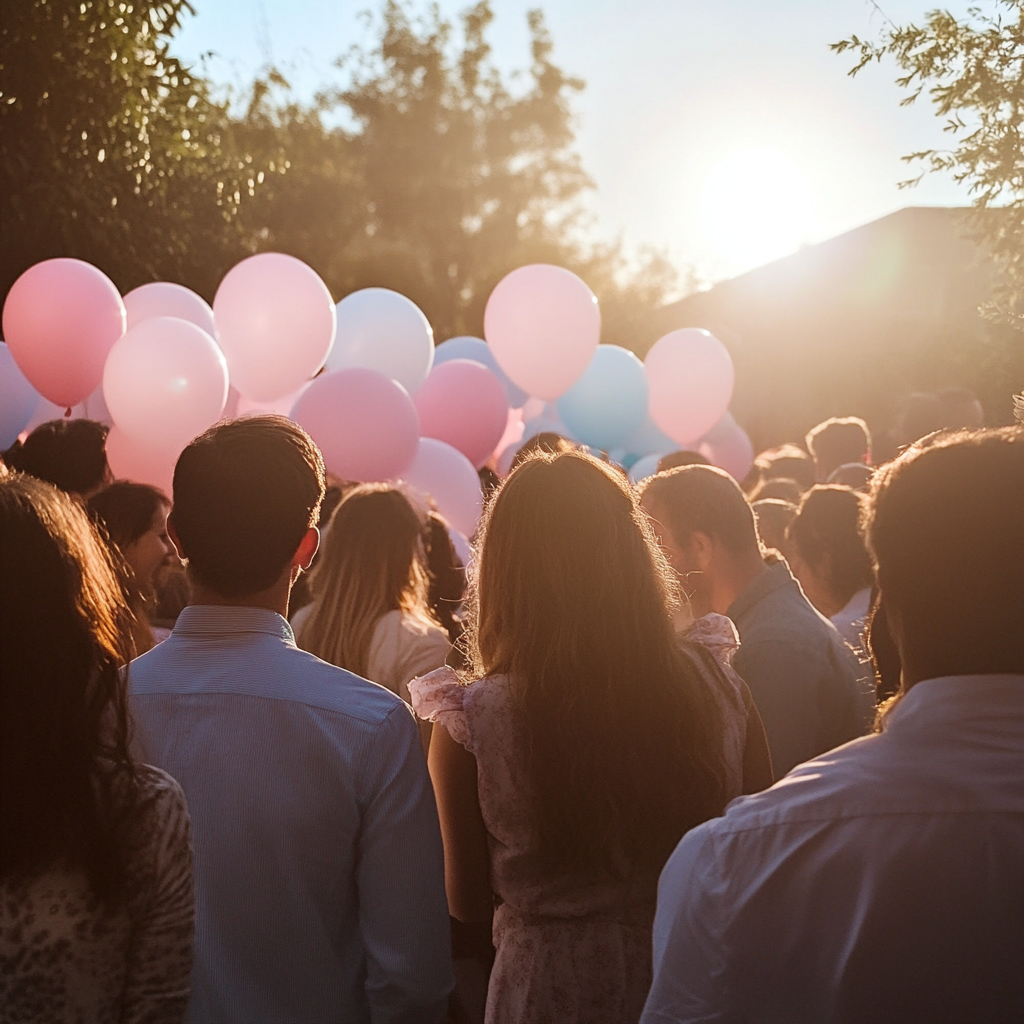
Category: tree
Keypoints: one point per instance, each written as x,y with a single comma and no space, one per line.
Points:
973,73
110,149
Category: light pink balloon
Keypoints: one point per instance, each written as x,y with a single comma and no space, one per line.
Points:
165,382
163,298
60,320
275,322
443,473
465,405
365,424
730,449
543,325
279,407
690,374
130,460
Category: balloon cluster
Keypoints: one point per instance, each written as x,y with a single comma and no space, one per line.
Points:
363,377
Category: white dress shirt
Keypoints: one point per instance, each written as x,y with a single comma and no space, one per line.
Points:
852,619
883,881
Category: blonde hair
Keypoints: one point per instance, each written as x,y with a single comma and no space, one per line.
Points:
371,564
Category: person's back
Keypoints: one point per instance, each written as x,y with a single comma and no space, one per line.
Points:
319,871
883,881
810,689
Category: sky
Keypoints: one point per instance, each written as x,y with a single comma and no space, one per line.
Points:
725,133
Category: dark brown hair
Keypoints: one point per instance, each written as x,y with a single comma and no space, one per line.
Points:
245,493
838,441
826,532
70,454
66,775
126,510
707,499
944,524
572,601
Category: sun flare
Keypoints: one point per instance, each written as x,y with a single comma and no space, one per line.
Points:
756,205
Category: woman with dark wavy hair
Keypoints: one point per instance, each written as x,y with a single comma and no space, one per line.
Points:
95,862
589,740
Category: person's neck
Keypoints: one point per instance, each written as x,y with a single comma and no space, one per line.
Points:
734,576
273,599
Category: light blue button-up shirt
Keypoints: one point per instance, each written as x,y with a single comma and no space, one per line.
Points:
319,870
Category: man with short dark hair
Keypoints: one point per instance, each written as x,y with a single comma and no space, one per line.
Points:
318,862
836,442
886,881
808,686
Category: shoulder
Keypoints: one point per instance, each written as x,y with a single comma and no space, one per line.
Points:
441,697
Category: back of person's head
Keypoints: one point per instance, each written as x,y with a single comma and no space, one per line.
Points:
546,441
778,488
447,576
963,411
371,564
126,510
245,493
70,454
826,534
917,416
838,441
703,499
65,769
944,527
572,601
790,462
773,517
854,475
681,458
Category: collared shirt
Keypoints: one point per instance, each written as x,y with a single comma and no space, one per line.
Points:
808,686
852,619
319,871
883,882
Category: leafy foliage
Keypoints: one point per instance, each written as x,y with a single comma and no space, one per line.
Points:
973,73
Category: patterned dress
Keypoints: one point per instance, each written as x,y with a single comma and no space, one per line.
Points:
567,952
65,960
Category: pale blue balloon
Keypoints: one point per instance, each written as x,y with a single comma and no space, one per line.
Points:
466,347
647,439
18,399
609,401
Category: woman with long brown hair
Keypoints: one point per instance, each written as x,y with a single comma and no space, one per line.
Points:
589,741
95,861
369,612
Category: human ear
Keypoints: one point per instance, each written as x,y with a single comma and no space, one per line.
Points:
307,549
172,535
702,549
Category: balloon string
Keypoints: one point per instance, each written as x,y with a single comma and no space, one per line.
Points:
67,413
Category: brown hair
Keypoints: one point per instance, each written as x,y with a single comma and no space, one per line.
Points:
245,493
371,564
572,600
826,532
838,441
67,779
944,525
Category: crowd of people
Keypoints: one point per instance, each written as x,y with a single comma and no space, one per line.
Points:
697,749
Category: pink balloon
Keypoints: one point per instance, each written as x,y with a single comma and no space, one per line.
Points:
165,382
365,424
162,298
60,320
130,460
690,375
275,322
729,448
443,473
465,405
543,325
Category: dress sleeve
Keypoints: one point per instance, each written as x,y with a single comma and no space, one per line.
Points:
440,697
160,961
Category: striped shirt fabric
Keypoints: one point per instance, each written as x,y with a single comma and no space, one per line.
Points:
319,871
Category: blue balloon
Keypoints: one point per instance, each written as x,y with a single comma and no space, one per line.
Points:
609,401
465,347
18,399
647,439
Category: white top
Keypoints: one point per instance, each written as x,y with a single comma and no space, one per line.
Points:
851,620
883,881
401,648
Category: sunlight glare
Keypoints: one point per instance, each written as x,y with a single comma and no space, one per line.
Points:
756,206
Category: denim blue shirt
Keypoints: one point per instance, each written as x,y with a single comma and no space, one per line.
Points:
319,871
810,689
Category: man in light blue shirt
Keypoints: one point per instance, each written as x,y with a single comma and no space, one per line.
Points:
318,861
